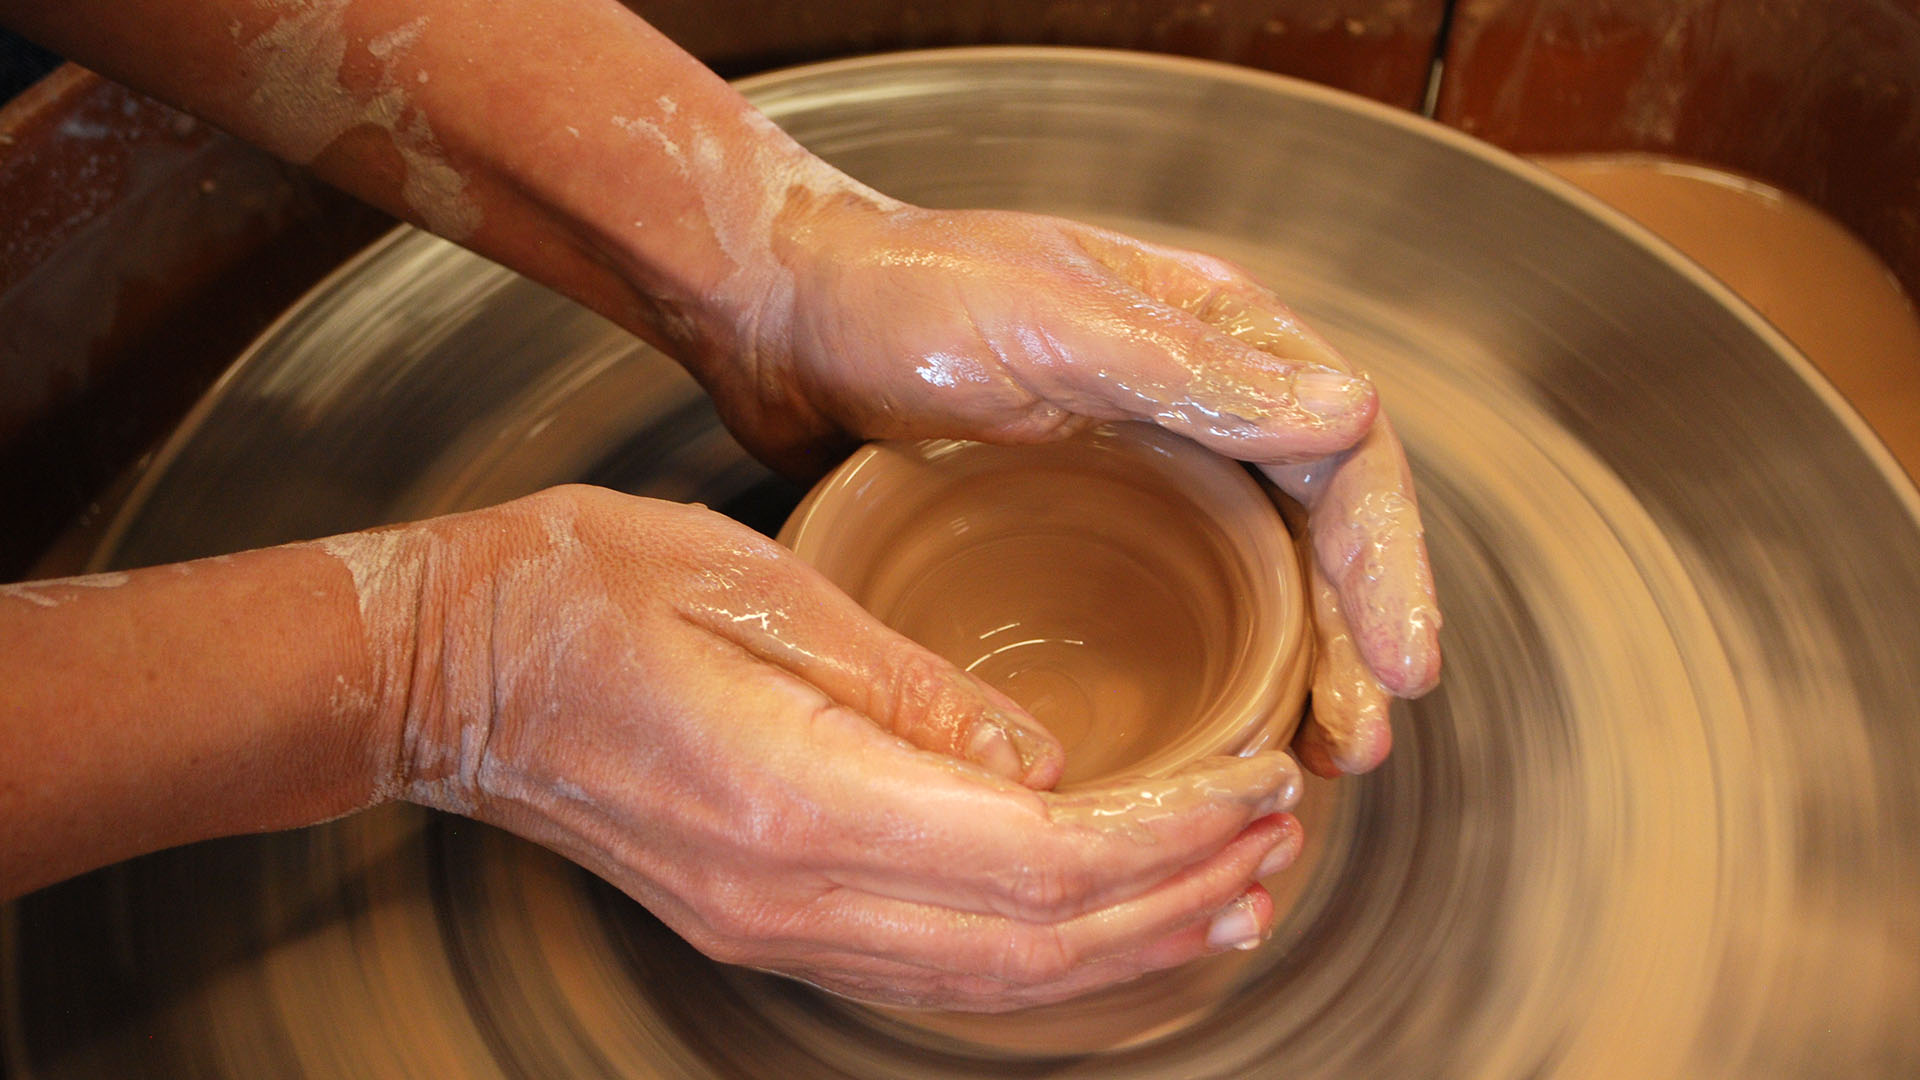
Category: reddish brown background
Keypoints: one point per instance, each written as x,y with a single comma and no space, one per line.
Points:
1820,97
140,250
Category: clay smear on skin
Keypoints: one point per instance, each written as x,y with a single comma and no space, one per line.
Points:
489,652
378,565
1267,783
743,179
386,567
539,610
296,93
35,592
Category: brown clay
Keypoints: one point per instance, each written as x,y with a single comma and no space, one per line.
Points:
1137,594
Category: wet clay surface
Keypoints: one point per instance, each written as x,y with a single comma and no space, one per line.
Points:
1136,594
1822,288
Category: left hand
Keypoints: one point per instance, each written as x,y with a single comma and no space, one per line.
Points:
890,321
689,711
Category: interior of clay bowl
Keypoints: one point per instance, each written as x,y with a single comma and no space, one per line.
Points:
1134,592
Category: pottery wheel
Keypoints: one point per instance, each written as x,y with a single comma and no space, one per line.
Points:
1662,818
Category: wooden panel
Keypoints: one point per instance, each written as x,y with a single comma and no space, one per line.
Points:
1380,48
140,250
1821,97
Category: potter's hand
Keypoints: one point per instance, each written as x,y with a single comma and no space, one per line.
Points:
891,320
1376,619
1374,610
683,707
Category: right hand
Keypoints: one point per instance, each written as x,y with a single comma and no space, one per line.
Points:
893,321
686,709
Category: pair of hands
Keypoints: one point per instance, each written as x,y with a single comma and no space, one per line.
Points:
682,707
652,690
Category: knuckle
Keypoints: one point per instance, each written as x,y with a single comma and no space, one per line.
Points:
1036,956
764,820
736,933
559,493
1215,267
577,500
918,689
563,499
573,491
1042,888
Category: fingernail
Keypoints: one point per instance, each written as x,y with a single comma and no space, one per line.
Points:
1286,792
1280,856
1026,743
1236,927
990,747
1326,392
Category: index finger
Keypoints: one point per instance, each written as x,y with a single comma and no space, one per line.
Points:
1362,514
977,843
1368,540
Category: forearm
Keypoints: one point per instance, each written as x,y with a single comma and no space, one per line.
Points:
564,138
149,709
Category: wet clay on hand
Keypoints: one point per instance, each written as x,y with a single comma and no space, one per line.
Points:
1135,593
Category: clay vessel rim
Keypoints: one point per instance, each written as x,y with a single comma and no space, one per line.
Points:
1256,704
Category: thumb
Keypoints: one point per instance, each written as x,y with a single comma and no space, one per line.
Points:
801,622
934,705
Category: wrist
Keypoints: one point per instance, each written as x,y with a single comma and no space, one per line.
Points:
387,571
766,338
719,295
443,610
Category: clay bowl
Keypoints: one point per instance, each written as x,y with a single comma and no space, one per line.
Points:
1136,593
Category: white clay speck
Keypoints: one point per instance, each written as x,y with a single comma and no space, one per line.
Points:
29,594
647,129
36,592
386,46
